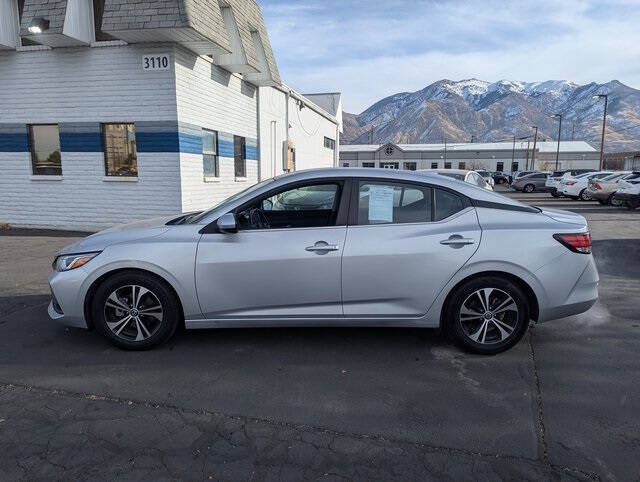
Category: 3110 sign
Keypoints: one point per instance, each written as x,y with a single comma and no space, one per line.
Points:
156,62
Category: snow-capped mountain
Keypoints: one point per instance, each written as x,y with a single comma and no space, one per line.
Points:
495,111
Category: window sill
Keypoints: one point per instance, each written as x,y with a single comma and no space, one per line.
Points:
120,179
241,179
211,179
44,177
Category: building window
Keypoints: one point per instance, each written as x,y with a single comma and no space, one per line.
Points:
329,143
500,166
239,156
368,164
514,166
447,165
210,160
410,166
345,164
45,150
120,155
389,165
462,165
434,165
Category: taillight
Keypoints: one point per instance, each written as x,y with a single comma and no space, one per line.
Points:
578,242
570,183
597,186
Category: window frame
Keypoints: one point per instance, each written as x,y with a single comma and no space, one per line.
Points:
33,151
462,165
104,148
352,220
434,165
243,157
369,162
214,154
341,217
332,143
415,165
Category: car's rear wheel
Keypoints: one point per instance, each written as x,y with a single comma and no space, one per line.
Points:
555,194
488,315
135,311
584,195
529,188
612,201
601,202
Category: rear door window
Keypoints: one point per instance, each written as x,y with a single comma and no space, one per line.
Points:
393,203
447,204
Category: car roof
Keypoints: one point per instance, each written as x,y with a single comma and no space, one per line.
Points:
445,171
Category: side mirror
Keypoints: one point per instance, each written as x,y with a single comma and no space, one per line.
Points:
227,223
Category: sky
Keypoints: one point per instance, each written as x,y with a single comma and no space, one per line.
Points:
369,49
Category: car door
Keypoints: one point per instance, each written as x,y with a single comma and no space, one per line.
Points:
404,243
283,261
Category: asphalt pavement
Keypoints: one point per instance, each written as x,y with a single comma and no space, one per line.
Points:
291,404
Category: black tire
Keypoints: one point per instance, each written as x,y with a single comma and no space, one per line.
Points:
612,202
583,196
529,188
601,202
159,331
555,194
460,330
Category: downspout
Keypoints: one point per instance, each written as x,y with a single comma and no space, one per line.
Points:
258,141
285,157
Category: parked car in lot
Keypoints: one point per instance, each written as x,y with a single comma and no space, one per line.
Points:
603,190
531,182
576,187
488,177
401,248
500,177
470,177
517,174
554,180
628,194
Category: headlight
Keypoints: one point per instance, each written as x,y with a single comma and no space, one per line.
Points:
68,262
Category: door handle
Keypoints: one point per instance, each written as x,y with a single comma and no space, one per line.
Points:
322,246
457,240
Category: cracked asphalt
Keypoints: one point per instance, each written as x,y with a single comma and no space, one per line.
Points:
291,404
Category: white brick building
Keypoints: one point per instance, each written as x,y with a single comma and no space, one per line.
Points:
117,110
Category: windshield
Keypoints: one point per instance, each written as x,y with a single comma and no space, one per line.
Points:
229,200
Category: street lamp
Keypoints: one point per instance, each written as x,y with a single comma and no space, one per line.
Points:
533,153
604,123
559,117
38,25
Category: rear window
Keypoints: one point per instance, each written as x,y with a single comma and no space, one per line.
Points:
447,204
459,177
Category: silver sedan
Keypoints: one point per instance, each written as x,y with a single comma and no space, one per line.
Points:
334,247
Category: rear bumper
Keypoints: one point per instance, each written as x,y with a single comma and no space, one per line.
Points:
578,299
599,195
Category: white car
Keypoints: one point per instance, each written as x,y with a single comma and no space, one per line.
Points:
576,187
470,177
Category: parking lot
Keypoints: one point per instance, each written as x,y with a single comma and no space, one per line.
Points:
282,404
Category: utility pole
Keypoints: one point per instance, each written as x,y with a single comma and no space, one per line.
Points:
513,152
604,124
559,117
445,148
533,153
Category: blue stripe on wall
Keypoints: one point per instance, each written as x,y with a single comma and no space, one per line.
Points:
225,147
80,141
157,142
190,143
252,152
14,143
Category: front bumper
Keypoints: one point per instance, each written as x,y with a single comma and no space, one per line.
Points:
68,295
632,199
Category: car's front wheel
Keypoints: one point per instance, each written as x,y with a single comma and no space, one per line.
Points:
135,311
488,315
529,188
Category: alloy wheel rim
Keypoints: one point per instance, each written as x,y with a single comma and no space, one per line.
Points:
133,313
488,316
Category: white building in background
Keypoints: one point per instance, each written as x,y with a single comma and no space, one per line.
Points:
495,156
113,111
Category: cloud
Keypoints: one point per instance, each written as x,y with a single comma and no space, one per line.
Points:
369,49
